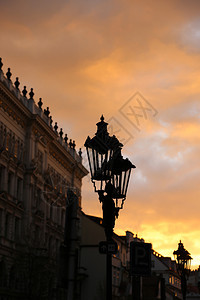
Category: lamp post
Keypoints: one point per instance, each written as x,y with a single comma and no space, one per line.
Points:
184,262
110,174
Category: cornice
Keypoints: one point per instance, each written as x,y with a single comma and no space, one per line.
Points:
11,101
13,106
58,152
56,149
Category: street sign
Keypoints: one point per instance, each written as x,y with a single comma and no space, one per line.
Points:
108,247
140,258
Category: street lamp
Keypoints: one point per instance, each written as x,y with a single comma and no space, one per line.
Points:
184,262
110,174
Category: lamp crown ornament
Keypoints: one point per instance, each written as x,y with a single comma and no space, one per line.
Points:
102,127
183,256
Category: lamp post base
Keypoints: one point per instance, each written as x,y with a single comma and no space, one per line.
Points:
109,234
109,277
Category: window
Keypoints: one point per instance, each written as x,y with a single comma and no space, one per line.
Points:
10,183
36,194
1,134
17,229
57,246
51,212
124,259
8,226
19,189
63,218
58,215
52,246
15,149
46,240
7,141
114,277
117,277
40,161
170,279
37,234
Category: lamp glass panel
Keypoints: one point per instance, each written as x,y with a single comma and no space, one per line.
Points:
99,185
120,183
90,160
128,173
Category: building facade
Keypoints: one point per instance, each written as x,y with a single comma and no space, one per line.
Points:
92,264
166,268
163,283
193,285
38,166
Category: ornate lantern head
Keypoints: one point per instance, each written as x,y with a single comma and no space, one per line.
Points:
107,163
183,259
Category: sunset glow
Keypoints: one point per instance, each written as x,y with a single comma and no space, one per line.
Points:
88,58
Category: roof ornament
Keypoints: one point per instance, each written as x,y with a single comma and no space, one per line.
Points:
31,94
50,121
24,92
70,143
66,138
80,152
1,64
47,112
40,103
73,145
56,127
17,83
61,133
9,74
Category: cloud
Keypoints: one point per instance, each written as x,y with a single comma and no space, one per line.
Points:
85,58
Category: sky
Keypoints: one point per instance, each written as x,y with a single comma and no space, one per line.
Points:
138,64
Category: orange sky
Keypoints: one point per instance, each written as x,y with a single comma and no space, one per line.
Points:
85,58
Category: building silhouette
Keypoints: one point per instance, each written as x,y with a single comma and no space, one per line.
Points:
38,168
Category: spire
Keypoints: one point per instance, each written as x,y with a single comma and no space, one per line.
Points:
102,118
